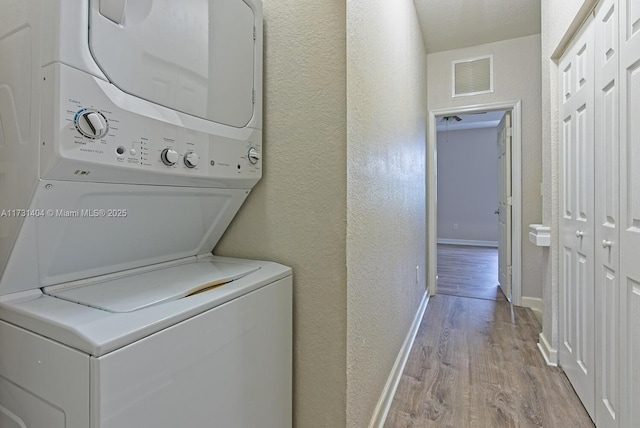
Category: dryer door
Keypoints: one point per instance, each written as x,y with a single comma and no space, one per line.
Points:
196,56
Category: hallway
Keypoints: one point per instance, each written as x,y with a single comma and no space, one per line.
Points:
475,362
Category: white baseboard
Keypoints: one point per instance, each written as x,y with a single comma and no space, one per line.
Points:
469,242
535,304
549,354
384,403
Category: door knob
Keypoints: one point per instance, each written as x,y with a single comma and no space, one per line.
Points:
497,212
579,234
606,244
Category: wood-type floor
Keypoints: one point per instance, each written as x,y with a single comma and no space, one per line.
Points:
475,364
468,271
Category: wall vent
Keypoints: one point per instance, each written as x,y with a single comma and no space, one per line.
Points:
472,76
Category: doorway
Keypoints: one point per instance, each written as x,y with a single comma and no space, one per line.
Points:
509,210
468,212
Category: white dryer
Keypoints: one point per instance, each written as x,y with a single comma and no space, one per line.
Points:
130,135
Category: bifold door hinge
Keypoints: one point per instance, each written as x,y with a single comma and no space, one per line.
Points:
254,33
510,270
253,96
509,132
509,200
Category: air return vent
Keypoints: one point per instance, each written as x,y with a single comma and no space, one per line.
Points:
473,76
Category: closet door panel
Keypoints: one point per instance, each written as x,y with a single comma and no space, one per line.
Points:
576,351
607,287
632,14
630,209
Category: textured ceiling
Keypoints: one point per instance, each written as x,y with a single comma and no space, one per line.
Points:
455,24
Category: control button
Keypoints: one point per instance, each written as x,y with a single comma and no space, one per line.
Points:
191,160
169,157
120,150
91,123
253,155
132,152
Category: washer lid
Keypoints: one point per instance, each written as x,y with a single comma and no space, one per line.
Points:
139,291
197,57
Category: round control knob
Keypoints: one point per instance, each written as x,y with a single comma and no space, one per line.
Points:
253,155
91,123
169,157
191,160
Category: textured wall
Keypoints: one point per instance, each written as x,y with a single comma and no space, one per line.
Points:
386,110
296,214
556,19
468,184
516,65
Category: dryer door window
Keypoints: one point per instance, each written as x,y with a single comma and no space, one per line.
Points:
194,56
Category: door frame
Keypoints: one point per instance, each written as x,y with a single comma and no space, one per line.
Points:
516,189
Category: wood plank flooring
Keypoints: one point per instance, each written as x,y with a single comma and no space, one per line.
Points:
475,364
468,271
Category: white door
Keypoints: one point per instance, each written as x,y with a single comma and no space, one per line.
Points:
607,291
504,205
577,217
630,210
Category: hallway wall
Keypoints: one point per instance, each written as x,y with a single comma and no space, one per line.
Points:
355,288
386,217
516,76
296,215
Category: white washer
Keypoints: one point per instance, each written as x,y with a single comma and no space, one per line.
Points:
130,135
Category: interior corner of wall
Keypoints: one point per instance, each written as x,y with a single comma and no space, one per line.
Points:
549,353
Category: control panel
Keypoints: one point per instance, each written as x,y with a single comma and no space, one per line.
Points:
110,134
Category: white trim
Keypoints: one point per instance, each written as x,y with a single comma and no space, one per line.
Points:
583,14
549,354
468,125
516,181
386,398
472,243
432,210
536,305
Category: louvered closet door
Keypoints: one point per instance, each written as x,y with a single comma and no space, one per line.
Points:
607,222
630,210
577,217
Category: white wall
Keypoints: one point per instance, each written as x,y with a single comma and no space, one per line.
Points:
355,292
386,217
296,215
557,18
517,75
468,184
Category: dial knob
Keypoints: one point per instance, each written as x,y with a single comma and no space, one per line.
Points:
169,157
254,155
91,123
191,160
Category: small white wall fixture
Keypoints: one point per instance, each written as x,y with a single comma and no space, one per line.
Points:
516,182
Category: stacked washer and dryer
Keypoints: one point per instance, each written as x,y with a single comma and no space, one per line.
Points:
130,135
